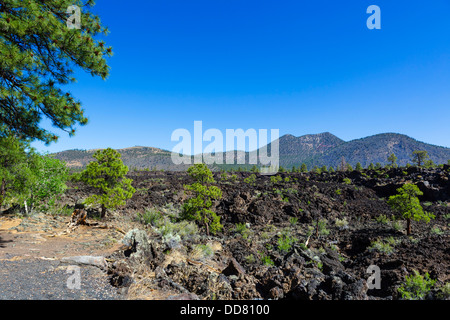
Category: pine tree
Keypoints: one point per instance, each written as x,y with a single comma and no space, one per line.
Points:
393,160
107,176
16,176
408,205
198,207
303,168
419,157
38,53
358,167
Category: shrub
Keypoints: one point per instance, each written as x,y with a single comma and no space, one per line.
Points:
266,260
164,226
250,179
341,223
275,179
250,259
223,176
321,227
381,246
151,217
347,181
202,251
293,221
444,292
285,242
50,177
437,231
242,229
416,286
382,219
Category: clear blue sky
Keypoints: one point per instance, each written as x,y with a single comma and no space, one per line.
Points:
298,66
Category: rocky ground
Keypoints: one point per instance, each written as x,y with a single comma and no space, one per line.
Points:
298,236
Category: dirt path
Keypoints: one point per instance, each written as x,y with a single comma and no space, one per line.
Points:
31,250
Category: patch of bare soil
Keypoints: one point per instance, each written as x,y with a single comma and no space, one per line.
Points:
32,253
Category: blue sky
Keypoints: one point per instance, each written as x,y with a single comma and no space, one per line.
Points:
301,67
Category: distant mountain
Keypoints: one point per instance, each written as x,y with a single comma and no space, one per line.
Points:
134,157
304,149
312,149
377,148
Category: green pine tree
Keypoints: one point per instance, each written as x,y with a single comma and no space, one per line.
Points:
38,53
419,157
393,160
406,204
303,168
198,207
16,174
107,176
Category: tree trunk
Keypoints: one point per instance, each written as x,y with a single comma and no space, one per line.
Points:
103,211
408,226
206,226
2,192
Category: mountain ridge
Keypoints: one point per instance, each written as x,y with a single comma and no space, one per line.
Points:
312,149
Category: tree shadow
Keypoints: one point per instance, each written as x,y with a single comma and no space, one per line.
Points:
3,242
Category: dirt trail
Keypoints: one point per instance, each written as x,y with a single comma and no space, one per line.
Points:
31,250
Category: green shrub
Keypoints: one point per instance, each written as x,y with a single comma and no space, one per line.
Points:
347,181
293,221
275,179
151,217
341,223
266,260
202,251
50,177
164,225
437,231
250,179
444,292
381,246
242,229
416,286
250,259
382,219
285,242
322,227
